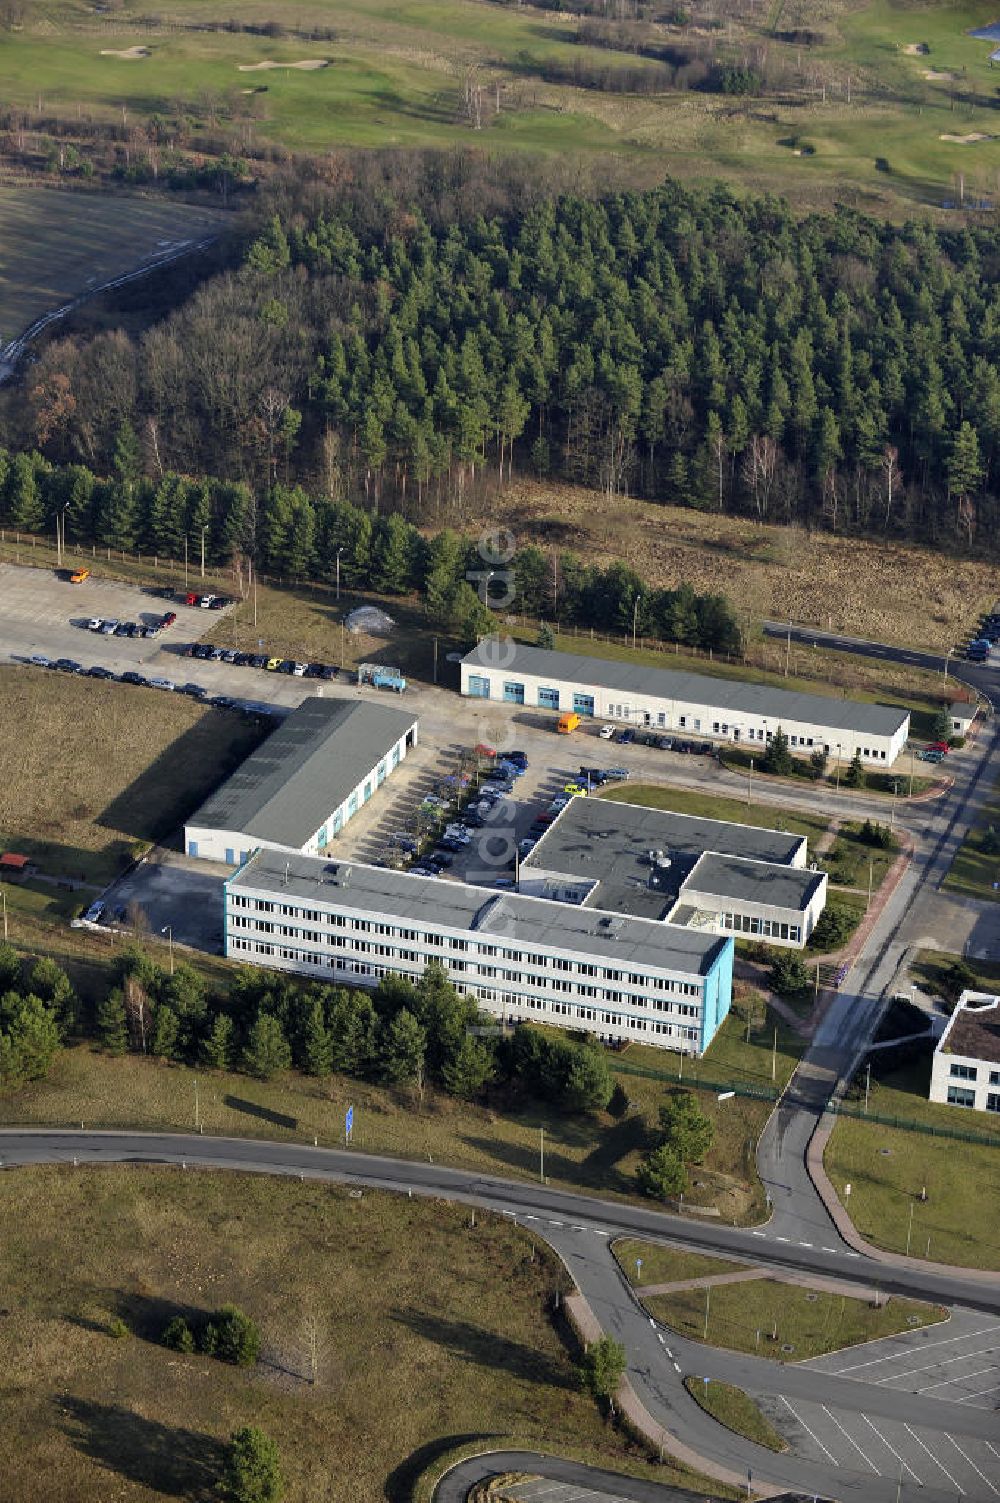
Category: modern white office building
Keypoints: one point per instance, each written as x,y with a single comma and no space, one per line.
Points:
705,874
620,977
298,790
966,1067
694,704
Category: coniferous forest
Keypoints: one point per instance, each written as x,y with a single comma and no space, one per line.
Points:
682,345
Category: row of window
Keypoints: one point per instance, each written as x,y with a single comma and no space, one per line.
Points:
573,1012
962,1096
971,1072
450,943
744,923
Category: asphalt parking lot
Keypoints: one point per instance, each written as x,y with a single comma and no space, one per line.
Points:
956,1365
174,892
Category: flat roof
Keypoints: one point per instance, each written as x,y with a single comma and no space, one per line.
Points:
974,1030
507,916
790,887
778,705
304,771
607,842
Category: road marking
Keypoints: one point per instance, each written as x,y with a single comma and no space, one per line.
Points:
893,1450
850,1438
798,1418
943,1362
579,1228
758,1234
661,1338
852,1255
598,1233
829,1249
969,1459
903,1350
963,1378
526,1217
555,1223
652,1322
805,1244
991,1447
936,1462
670,1354
781,1239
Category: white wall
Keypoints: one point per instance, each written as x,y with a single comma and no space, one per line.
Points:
804,919
712,722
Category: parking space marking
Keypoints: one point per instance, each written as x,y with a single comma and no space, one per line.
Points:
908,1351
905,1464
850,1438
969,1459
799,1420
960,1490
980,1393
963,1378
991,1447
927,1367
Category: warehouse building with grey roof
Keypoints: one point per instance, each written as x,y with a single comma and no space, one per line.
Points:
693,704
299,789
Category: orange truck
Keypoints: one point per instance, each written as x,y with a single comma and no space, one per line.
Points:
79,575
567,723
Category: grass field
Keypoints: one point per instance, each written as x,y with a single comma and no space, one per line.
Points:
975,870
596,1153
96,771
870,118
884,591
56,245
474,1353
736,1410
784,1321
888,1169
667,1265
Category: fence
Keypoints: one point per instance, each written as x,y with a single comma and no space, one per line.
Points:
699,1083
906,1124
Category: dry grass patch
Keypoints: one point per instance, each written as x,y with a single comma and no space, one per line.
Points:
97,770
736,1410
428,1330
887,591
661,1264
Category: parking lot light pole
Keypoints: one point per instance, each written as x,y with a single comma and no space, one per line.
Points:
635,618
750,783
203,532
185,561
169,932
3,895
839,748
339,552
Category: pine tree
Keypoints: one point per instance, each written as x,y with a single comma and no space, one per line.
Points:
777,757
166,1031
217,1049
855,776
403,1047
111,1026
266,1051
317,1048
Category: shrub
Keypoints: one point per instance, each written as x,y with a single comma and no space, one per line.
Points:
117,1329
236,1338
178,1335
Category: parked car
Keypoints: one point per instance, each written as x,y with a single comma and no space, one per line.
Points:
95,623
930,756
272,665
483,749
123,629
626,736
594,774
163,683
109,627
131,677
941,746
606,732
259,660
191,597
94,913
168,618
99,673
67,665
298,670
194,690
39,660
205,602
313,670
222,702
442,857
446,843
218,602
78,576
330,672
617,774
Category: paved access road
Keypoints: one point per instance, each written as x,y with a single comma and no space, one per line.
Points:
984,677
581,1230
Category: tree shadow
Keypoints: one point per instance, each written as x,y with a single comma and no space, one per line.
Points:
399,1483
589,1171
181,1463
617,1143
485,1348
147,1315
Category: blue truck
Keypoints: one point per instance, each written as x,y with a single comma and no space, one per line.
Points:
381,676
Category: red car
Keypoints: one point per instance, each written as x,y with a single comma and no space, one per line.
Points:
169,618
941,746
192,597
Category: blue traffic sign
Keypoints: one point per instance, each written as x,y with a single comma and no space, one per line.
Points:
348,1121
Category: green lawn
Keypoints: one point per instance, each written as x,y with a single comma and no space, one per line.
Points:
849,858
784,1321
475,1350
889,1168
667,1265
975,871
736,1410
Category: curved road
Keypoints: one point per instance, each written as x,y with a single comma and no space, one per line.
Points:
581,1230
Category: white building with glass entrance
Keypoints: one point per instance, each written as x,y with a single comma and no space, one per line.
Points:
690,703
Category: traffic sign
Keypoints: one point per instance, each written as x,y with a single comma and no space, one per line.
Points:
348,1123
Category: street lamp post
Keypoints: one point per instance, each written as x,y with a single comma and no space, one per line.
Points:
169,932
750,783
339,552
892,811
635,618
839,749
203,532
3,895
61,533
185,561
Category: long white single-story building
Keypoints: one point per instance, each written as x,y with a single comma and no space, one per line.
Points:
966,1067
621,978
718,708
298,790
706,874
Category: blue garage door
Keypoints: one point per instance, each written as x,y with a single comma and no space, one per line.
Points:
229,856
583,704
548,699
192,847
513,693
479,687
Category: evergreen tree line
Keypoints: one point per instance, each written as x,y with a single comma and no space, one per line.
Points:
38,1011
682,343
294,536
404,1032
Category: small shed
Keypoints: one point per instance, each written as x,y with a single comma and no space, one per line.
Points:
13,865
961,715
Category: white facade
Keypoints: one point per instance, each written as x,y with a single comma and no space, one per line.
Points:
788,927
966,1067
692,704
348,933
962,715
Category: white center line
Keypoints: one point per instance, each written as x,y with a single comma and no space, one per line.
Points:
781,1239
969,1459
661,1338
853,1442
670,1354
555,1223
757,1234
677,1367
799,1420
579,1228
527,1217
805,1244
829,1249
894,1451
916,1437
598,1233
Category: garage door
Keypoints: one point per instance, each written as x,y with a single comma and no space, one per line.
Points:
479,687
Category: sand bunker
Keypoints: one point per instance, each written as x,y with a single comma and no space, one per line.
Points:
129,53
916,49
307,64
975,135
934,77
